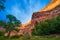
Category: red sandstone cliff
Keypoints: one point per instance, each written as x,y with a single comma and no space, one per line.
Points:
39,17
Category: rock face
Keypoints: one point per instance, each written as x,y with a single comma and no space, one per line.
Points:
39,17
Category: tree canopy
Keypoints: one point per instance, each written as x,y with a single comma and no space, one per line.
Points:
2,6
11,25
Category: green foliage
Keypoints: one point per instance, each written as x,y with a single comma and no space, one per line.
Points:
16,36
2,33
11,17
2,7
11,25
58,25
2,38
50,26
41,29
2,22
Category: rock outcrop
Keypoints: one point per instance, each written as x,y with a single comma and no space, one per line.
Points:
39,17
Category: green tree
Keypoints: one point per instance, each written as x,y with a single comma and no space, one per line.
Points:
2,7
11,25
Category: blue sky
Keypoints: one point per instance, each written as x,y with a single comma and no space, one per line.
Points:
23,9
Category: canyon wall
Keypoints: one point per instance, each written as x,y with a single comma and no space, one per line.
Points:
39,17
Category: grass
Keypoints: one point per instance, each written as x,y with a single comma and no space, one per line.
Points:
2,38
45,38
